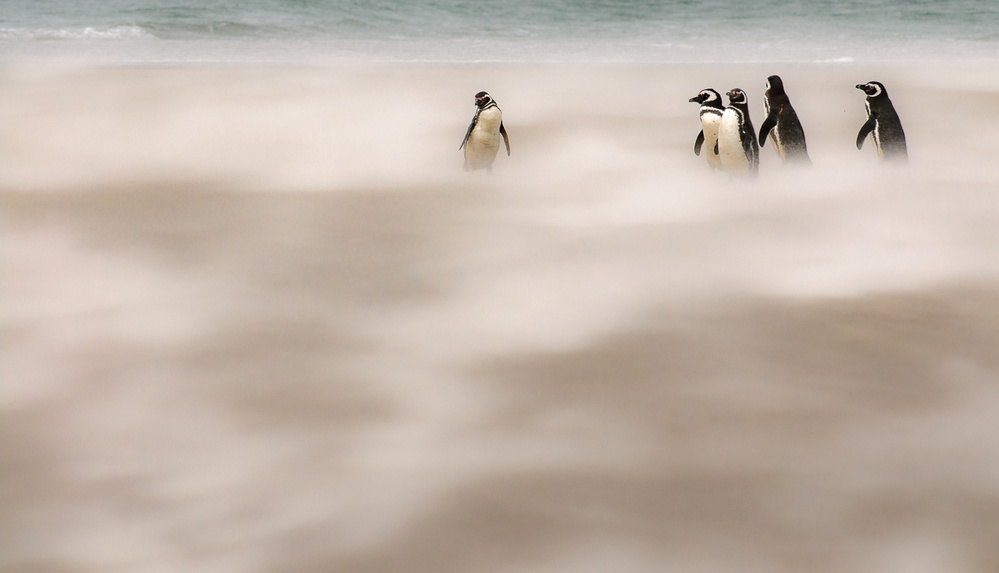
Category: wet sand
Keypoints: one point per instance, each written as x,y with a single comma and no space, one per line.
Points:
258,319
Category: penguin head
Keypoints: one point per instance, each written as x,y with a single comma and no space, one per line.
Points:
482,99
737,96
775,85
873,89
708,96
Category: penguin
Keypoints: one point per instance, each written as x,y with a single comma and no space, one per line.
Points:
883,124
481,141
737,145
711,114
782,125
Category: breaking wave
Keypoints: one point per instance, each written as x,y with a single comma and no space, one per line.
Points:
120,32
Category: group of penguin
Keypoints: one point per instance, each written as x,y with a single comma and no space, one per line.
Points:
727,131
732,144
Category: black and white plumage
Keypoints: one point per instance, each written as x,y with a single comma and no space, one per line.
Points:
882,124
711,114
481,141
782,125
737,146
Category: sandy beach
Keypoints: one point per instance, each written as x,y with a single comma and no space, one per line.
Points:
259,319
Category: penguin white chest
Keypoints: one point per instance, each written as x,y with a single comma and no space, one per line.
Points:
732,153
775,136
484,141
777,143
710,121
876,132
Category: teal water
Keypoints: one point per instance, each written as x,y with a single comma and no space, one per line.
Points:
509,30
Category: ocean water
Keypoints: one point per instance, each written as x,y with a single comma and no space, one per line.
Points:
151,31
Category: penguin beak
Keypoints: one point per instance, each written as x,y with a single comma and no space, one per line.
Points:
695,99
861,87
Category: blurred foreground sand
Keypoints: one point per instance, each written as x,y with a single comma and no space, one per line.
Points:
259,320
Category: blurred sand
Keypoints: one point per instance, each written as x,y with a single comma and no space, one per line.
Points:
258,319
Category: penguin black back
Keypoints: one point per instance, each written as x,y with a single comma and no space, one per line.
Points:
782,125
882,124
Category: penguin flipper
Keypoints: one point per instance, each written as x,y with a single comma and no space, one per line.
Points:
769,123
506,138
864,131
698,143
471,126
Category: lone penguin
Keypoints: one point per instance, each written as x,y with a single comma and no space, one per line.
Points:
737,145
782,125
883,124
711,114
481,141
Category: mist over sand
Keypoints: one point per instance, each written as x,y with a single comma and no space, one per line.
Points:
258,319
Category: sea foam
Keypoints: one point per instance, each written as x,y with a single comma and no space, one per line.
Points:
120,32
